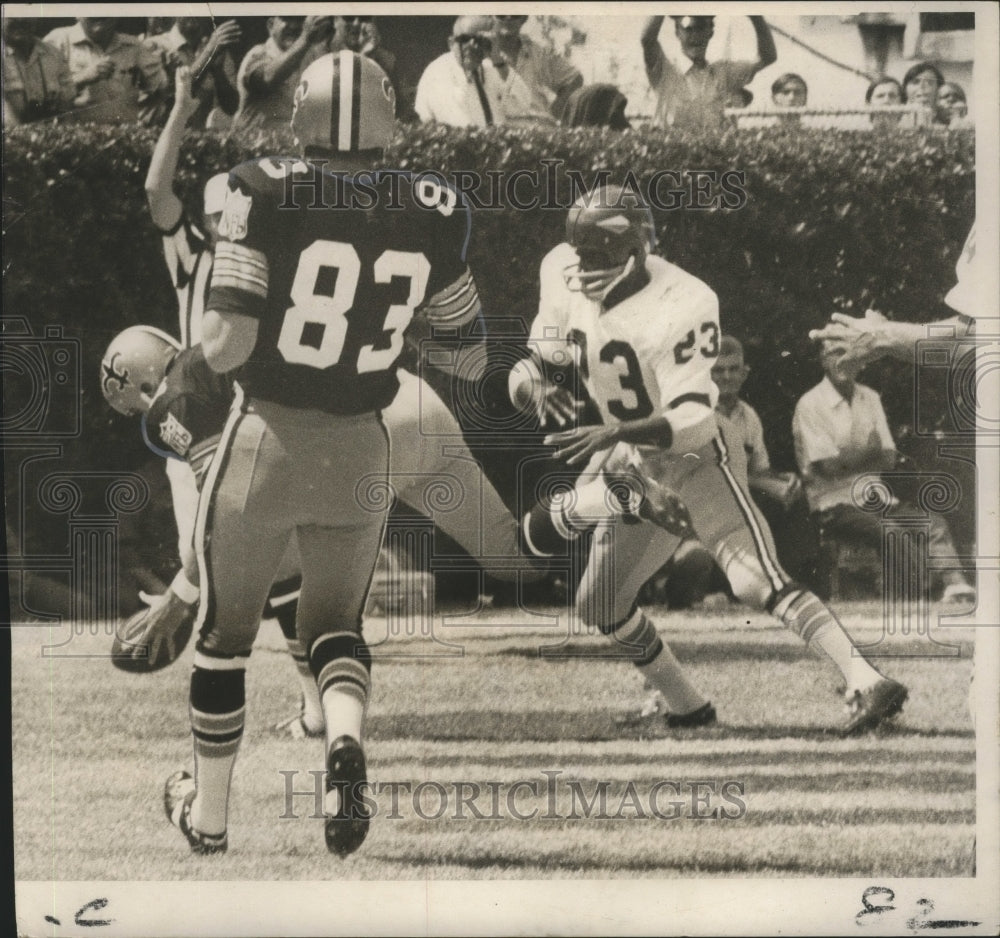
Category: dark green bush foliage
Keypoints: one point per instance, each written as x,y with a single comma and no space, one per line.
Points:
833,220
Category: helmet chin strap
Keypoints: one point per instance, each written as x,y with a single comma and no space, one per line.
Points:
600,293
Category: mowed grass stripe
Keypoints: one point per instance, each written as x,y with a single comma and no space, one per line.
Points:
705,847
958,751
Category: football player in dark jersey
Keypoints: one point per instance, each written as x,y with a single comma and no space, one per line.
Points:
321,267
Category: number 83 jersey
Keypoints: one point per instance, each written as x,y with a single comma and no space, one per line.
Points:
649,354
335,268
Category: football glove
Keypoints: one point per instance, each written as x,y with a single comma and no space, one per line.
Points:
154,637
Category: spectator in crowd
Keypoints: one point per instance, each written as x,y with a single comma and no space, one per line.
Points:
191,41
779,495
117,77
841,432
464,88
269,73
952,108
157,26
921,84
36,79
789,90
885,92
698,96
549,78
729,372
361,34
596,106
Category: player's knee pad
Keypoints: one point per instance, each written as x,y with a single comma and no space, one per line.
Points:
544,531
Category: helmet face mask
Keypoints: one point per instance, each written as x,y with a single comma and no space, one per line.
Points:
344,103
133,367
612,232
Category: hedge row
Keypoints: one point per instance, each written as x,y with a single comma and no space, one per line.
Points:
831,220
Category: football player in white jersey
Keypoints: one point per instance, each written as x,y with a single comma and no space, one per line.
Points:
643,334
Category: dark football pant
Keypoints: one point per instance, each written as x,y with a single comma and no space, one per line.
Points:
280,470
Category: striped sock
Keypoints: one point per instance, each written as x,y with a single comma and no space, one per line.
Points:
342,665
806,615
217,707
658,664
283,604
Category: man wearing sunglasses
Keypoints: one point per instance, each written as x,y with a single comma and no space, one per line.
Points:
465,87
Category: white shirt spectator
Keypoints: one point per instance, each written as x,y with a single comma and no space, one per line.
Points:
447,95
747,423
824,425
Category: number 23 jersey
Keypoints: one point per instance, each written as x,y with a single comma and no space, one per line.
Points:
650,354
335,270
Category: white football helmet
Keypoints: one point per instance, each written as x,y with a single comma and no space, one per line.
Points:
345,103
133,367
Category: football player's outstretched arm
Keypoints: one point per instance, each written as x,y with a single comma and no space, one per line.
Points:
164,205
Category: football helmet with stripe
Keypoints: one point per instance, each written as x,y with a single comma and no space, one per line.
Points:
612,232
344,103
133,367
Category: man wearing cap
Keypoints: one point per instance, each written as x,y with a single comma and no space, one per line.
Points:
697,97
466,88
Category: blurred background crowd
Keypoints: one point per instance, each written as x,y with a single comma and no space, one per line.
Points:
480,70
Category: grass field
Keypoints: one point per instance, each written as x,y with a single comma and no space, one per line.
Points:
92,747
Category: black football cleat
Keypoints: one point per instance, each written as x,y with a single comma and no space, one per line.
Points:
870,708
178,793
346,774
703,716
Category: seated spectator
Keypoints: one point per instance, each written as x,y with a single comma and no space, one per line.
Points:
117,77
596,106
191,41
699,96
921,84
952,108
549,78
789,90
885,92
464,88
729,372
269,72
36,79
778,494
841,432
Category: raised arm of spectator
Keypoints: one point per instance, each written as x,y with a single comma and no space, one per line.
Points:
272,72
652,54
214,56
164,205
767,52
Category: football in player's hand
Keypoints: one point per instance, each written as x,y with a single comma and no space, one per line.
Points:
154,637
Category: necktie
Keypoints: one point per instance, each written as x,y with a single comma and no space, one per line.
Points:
483,100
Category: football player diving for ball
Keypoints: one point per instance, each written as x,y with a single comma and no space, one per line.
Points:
644,334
